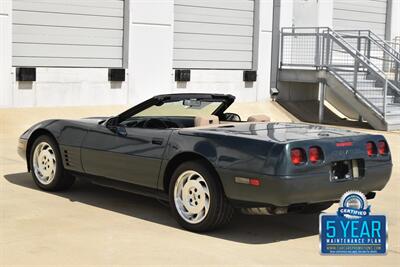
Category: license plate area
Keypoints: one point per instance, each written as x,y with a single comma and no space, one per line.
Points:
346,170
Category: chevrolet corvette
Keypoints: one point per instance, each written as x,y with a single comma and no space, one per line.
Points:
187,150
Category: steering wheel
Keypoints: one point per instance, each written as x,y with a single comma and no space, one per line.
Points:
155,124
171,124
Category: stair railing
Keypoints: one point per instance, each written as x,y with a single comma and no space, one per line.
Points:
376,49
323,48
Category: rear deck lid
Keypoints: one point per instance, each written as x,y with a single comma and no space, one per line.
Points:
282,132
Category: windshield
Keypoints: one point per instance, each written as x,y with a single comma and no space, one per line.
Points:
190,108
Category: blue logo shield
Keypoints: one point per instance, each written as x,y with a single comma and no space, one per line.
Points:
353,230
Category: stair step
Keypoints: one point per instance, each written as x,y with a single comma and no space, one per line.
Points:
363,82
394,127
390,112
394,106
393,113
350,72
393,121
389,108
368,93
378,102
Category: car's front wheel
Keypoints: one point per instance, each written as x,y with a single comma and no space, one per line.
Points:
46,165
196,198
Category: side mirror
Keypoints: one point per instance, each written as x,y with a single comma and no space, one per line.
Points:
113,125
231,117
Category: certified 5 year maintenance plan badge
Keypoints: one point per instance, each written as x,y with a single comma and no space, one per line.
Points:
353,230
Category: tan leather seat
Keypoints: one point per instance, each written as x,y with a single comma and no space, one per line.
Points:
205,120
259,118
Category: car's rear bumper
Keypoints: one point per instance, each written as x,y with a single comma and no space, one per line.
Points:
301,189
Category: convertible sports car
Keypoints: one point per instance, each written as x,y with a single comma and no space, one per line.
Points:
185,149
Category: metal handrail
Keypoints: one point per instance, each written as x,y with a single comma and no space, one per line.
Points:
390,56
368,62
357,55
382,44
385,45
375,108
378,39
360,60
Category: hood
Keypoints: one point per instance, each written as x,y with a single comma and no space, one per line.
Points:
94,120
281,132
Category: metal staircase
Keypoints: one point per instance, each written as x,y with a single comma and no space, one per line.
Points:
379,51
359,69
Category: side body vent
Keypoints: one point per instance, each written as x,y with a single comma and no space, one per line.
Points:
71,158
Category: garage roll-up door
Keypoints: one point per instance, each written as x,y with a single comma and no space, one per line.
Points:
360,15
213,34
74,33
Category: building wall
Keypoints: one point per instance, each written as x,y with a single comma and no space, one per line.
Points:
151,42
395,23
360,14
69,87
150,61
341,14
150,65
5,53
53,86
307,13
61,33
214,34
231,81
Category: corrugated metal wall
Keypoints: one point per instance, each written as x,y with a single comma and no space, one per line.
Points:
213,34
74,33
360,14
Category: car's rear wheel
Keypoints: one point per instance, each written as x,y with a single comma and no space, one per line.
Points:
46,165
197,200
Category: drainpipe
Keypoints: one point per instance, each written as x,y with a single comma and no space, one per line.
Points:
275,47
321,98
321,94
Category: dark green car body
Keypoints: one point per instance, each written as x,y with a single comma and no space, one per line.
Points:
142,160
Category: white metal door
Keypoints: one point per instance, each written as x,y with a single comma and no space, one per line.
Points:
213,34
74,33
360,15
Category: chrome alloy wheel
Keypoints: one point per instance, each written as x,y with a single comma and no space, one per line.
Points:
44,163
192,197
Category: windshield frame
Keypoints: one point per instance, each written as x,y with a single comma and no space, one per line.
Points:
226,101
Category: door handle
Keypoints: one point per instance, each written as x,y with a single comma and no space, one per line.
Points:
157,141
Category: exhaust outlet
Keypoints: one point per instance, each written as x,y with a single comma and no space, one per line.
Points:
265,211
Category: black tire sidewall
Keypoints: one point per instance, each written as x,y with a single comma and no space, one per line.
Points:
59,166
215,196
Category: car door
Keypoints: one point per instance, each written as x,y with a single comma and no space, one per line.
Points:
131,155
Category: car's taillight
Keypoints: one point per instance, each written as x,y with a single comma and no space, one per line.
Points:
315,154
383,148
371,149
298,156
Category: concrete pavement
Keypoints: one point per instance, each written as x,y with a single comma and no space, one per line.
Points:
91,225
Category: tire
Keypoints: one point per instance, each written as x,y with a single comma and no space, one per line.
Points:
192,186
46,165
316,208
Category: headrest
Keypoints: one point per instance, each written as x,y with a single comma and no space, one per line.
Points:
259,118
205,120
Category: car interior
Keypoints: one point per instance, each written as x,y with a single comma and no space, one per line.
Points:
167,122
